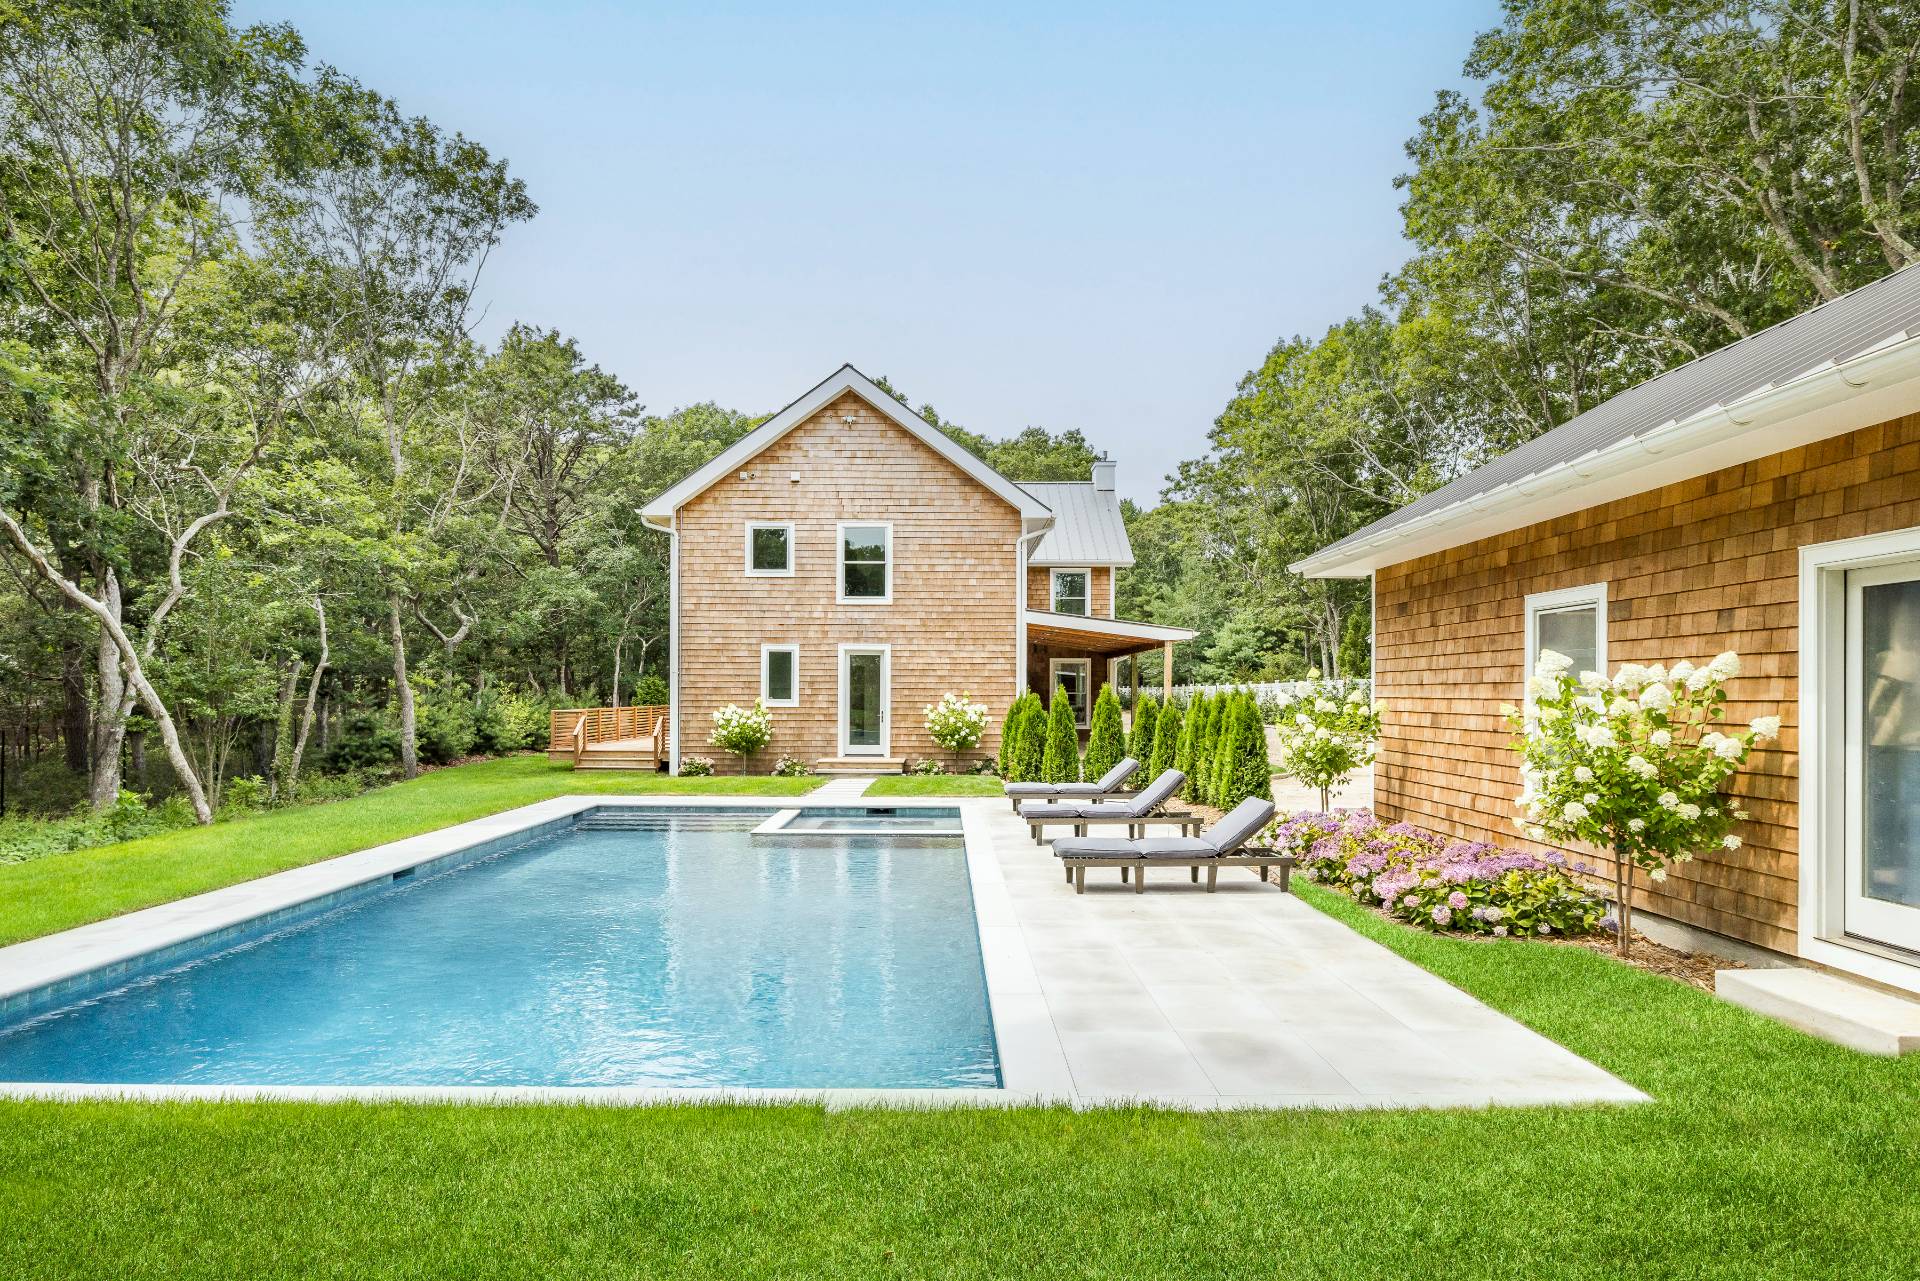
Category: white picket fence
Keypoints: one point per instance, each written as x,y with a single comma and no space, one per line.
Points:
1279,691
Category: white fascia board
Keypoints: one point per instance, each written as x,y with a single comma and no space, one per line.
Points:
843,380
1095,626
1873,387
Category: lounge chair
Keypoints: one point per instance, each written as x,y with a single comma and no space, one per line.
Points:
1222,845
1134,813
1106,789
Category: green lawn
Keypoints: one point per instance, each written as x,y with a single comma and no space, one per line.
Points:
1768,1155
64,890
935,785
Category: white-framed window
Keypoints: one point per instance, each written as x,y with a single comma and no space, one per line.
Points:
1072,591
865,559
769,548
780,675
1571,621
1075,676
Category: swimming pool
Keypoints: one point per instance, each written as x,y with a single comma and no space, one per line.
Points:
664,948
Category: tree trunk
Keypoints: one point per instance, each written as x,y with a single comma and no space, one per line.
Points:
110,713
409,741
137,757
283,730
313,693
1623,903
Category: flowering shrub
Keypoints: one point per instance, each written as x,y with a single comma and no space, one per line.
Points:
1322,740
742,730
791,767
695,766
956,722
1633,764
927,767
1426,880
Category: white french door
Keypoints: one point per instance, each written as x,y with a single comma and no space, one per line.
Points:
1074,675
1881,849
866,693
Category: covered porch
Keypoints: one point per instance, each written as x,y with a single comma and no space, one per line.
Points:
1082,653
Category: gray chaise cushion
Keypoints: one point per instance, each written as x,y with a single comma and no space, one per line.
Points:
1238,827
1157,793
1111,782
1174,847
1094,847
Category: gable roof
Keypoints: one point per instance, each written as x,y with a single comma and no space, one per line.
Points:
1087,528
1843,365
841,381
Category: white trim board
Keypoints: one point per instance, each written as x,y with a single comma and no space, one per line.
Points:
841,381
1823,709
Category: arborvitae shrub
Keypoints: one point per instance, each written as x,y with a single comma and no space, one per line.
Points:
1060,763
1106,740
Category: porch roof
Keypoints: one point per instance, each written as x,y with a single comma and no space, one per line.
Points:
1113,637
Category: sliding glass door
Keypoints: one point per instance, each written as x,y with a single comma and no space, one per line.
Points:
1882,802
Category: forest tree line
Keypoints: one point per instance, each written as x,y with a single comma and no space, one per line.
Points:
268,504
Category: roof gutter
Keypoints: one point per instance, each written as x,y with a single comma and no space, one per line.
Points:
1581,482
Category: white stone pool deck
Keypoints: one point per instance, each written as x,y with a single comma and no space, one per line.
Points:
1244,998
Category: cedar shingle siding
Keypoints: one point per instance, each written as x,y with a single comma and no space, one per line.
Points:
951,622
1691,569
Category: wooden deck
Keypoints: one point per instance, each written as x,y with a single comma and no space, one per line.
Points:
609,737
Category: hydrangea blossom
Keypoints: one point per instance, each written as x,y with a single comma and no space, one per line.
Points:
1638,773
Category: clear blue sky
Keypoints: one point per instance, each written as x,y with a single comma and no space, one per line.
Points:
1078,216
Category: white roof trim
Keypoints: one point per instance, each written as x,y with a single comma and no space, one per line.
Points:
842,380
1828,401
1108,626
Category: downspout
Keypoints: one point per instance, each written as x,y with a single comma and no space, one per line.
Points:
1020,554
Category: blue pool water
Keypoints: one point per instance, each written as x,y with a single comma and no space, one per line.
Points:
681,954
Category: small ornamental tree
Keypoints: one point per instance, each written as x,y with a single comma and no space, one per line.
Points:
742,730
1106,739
1167,732
1633,765
1029,748
1060,759
1322,740
1243,770
1141,736
1204,747
1189,740
957,723
1011,730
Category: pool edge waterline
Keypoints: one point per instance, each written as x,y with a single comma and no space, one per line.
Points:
117,950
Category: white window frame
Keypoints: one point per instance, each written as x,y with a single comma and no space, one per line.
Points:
747,539
1823,757
885,747
1053,588
840,529
1594,594
1053,683
766,685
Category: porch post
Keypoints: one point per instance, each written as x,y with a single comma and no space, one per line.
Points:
1133,679
1166,669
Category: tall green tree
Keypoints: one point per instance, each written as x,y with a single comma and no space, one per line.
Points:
1106,739
1060,758
1168,733
1146,716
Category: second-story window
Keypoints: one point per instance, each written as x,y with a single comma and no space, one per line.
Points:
866,569
770,548
1072,591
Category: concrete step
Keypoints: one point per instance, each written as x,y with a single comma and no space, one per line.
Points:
869,765
1827,1006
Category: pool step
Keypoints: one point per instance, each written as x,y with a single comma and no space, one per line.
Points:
641,820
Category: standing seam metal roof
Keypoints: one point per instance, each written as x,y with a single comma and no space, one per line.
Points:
1851,325
1087,528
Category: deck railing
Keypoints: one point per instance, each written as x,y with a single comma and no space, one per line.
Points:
572,731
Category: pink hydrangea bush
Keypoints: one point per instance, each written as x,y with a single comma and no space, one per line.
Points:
1426,880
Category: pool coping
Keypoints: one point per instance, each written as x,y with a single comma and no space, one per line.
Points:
1033,1065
